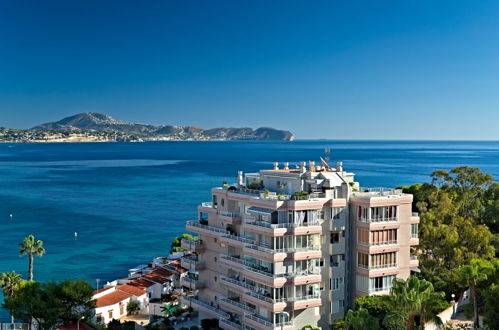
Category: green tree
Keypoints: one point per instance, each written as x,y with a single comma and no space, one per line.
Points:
478,270
132,307
9,282
51,303
175,246
114,325
413,299
491,310
31,247
360,319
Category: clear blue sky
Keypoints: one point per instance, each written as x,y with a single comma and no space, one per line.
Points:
322,69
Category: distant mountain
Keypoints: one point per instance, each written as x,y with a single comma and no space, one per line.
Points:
91,122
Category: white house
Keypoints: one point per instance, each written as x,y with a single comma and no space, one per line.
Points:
111,303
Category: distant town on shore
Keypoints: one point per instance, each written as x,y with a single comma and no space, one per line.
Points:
97,127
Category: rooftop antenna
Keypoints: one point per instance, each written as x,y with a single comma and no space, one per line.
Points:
327,154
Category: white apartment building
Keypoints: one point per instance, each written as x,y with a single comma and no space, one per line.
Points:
288,247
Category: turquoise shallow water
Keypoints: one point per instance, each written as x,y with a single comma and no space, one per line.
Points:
127,200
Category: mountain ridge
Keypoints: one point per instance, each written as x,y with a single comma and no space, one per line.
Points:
102,127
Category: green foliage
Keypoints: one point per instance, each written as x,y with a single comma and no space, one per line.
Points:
456,210
309,326
132,307
298,195
194,327
470,275
491,310
114,325
209,324
128,325
257,185
30,247
176,242
51,303
361,319
413,300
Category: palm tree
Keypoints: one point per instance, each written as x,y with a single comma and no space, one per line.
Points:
9,283
361,319
478,270
413,298
30,247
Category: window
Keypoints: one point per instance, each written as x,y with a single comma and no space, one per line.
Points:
383,260
321,262
387,236
336,212
336,283
223,201
110,314
98,318
381,283
215,201
363,260
335,237
414,230
335,259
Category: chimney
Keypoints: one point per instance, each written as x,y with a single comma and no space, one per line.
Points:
339,166
303,167
286,166
276,165
240,178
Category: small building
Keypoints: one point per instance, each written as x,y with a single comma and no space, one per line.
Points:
111,303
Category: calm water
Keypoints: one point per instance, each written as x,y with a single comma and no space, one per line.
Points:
127,200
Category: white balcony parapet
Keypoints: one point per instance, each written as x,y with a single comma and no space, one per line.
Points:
238,304
208,306
238,238
285,250
231,214
375,220
379,243
206,227
207,204
267,323
280,225
231,324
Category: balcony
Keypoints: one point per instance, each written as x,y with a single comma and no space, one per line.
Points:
261,323
229,217
378,267
280,229
235,306
305,302
192,262
229,325
231,239
232,262
265,277
206,207
193,284
197,227
192,245
204,307
414,262
237,285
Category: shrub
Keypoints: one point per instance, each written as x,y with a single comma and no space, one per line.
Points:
209,324
194,327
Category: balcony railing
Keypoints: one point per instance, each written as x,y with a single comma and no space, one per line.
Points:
208,306
394,242
231,324
376,220
238,304
233,259
414,257
415,214
194,242
280,225
284,250
207,204
231,214
267,323
197,224
373,290
238,238
414,235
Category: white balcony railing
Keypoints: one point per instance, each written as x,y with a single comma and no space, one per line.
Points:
197,224
266,224
377,220
238,238
395,242
238,305
284,250
231,214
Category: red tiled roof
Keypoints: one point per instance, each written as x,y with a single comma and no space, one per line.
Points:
112,298
141,283
131,289
159,275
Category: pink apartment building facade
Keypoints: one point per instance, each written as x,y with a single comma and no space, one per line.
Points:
285,247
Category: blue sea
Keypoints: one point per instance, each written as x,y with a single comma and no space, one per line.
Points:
127,201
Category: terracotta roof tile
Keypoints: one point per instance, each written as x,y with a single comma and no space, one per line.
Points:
131,289
112,298
141,283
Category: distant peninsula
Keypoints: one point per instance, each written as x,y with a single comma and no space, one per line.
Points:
97,127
